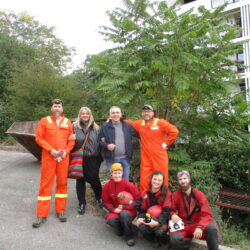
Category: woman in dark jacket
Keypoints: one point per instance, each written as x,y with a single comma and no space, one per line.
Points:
86,126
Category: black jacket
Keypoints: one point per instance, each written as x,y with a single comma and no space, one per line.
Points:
107,132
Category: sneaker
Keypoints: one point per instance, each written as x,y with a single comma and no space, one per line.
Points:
81,209
100,203
61,217
131,242
38,222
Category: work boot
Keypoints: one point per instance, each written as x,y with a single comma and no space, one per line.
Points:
100,203
131,242
38,222
61,217
81,209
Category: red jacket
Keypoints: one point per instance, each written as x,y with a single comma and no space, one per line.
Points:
196,211
111,189
149,199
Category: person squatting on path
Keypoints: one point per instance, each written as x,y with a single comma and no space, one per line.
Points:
156,201
86,126
52,136
154,144
120,216
193,209
116,138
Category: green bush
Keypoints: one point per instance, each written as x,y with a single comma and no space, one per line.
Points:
231,162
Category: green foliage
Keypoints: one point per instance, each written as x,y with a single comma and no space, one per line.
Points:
162,57
5,118
27,31
32,89
235,236
231,162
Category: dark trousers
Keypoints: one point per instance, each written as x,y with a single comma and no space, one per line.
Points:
153,234
91,166
122,224
177,241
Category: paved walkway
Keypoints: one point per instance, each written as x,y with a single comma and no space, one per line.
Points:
19,183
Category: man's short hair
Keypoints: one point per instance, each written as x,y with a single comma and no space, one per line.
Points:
114,107
56,101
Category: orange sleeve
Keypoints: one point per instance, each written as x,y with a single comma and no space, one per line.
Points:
40,136
70,143
135,124
171,131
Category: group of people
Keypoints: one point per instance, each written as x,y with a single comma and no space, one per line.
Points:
58,137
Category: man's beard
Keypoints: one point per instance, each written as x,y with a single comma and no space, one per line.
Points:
185,188
57,114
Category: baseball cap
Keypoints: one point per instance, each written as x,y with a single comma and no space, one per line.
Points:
147,106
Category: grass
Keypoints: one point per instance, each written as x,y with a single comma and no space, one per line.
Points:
235,237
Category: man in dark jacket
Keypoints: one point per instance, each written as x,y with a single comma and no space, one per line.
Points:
191,206
115,137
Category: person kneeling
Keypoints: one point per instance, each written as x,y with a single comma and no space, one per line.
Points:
119,196
154,210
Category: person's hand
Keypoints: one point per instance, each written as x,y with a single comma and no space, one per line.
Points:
197,233
111,147
164,146
118,209
54,153
152,223
140,221
175,218
63,153
72,137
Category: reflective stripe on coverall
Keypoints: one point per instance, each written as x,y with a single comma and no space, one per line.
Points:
153,156
50,135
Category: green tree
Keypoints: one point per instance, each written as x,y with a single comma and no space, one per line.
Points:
32,89
173,61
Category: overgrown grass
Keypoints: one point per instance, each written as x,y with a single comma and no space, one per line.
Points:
235,237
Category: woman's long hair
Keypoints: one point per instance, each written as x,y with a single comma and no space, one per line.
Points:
163,188
91,119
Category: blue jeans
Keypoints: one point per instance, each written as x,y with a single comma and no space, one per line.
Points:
125,165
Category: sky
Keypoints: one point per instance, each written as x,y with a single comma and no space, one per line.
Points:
76,22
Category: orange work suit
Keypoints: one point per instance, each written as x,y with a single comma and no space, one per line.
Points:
153,156
50,135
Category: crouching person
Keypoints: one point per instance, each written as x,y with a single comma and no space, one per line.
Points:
154,210
119,196
194,214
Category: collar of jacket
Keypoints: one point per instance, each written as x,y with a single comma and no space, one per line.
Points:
111,124
54,119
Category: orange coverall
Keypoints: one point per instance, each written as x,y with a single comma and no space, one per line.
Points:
153,156
50,135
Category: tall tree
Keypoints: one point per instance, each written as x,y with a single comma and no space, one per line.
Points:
173,61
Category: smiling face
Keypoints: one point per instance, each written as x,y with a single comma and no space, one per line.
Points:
157,181
84,116
57,110
117,175
184,182
115,114
147,114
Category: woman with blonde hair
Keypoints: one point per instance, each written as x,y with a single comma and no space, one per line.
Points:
85,128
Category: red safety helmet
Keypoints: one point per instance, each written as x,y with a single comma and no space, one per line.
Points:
155,211
125,198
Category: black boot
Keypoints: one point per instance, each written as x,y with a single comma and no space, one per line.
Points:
81,209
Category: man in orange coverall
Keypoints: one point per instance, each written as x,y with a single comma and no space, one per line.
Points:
154,144
52,136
